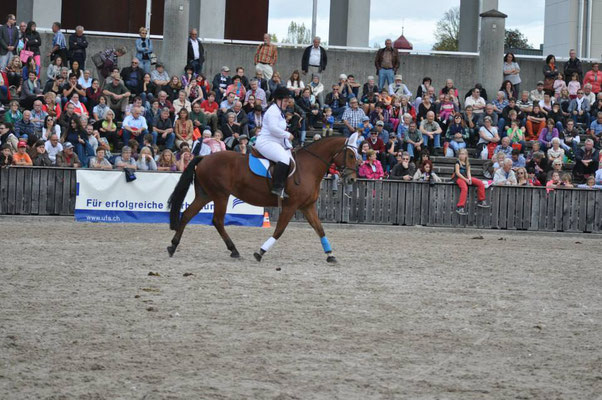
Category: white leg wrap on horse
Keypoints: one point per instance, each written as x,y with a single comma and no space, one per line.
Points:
268,244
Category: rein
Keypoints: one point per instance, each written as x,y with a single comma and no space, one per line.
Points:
344,149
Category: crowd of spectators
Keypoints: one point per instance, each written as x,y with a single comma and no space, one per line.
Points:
145,117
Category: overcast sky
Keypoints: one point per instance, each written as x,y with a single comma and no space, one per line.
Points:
418,18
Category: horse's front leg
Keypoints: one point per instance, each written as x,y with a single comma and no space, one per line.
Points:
283,220
311,215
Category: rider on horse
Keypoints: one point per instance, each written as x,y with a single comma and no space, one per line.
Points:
274,142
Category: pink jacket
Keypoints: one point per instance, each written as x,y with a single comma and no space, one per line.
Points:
367,172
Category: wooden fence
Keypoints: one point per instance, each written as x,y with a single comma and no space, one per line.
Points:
51,191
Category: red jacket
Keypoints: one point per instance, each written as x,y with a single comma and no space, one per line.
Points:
367,172
595,79
379,146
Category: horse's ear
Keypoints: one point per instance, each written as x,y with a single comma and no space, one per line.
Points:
352,141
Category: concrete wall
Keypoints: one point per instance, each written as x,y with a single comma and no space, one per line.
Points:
462,69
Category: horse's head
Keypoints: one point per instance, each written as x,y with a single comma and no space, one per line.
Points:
348,159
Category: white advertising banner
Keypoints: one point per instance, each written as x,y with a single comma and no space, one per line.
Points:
105,196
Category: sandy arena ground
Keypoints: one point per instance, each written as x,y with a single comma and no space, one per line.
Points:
408,313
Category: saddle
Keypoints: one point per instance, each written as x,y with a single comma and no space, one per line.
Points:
261,166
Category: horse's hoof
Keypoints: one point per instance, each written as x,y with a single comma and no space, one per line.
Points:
331,259
171,250
257,256
235,254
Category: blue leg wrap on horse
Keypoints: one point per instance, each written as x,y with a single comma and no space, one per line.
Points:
326,244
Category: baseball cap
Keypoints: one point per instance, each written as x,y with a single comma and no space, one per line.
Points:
226,68
398,77
68,145
380,123
364,119
539,83
22,144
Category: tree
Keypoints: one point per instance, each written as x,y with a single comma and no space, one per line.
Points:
449,26
516,40
273,38
298,34
447,31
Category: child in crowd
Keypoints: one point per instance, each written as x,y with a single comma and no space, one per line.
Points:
327,122
574,85
463,179
559,84
6,157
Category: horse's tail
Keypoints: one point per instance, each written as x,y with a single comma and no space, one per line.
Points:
179,193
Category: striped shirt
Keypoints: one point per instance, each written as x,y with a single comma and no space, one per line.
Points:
59,40
266,54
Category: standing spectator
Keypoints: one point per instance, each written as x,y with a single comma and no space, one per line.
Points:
33,41
196,52
9,38
371,168
512,71
221,82
78,43
572,66
59,45
314,58
594,78
463,178
109,58
352,117
144,49
550,72
266,56
386,63
587,161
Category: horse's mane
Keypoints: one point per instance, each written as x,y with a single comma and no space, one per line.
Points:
317,141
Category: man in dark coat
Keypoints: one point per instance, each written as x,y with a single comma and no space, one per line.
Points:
196,53
314,58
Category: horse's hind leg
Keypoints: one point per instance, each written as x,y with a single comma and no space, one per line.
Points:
200,199
219,213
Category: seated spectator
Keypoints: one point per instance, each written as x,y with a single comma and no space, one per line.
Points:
71,87
182,102
78,107
587,160
558,116
475,101
6,156
504,147
221,82
598,177
488,138
117,94
376,144
194,93
21,157
457,134
431,130
13,114
489,112
231,130
148,89
463,178
579,109
243,144
522,178
425,173
30,91
566,181
505,175
404,169
41,158
100,110
414,140
352,117
517,138
398,88
53,147
108,129
554,181
159,77
135,126
569,138
99,162
556,152
505,118
518,160
25,129
85,81
336,101
557,166
536,122
392,148
183,128
241,119
371,168
132,77
67,157
255,120
51,107
136,103
547,134
167,161
295,84
184,159
317,89
146,162
210,108
595,130
200,147
538,166
216,143
125,160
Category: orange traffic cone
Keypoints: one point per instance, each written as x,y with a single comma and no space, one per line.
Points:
266,220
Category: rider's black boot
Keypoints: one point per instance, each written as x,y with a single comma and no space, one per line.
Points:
279,178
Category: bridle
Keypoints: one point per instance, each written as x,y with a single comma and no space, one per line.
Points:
345,171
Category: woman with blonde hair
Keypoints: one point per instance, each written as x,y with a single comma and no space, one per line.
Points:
146,161
463,179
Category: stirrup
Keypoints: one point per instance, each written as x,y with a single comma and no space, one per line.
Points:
280,193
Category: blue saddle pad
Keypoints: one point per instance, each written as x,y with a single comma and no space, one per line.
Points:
259,166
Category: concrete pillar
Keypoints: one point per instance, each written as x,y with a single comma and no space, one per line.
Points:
43,12
468,36
358,23
349,23
175,35
491,51
487,5
212,19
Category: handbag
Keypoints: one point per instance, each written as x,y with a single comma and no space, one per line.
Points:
24,55
97,60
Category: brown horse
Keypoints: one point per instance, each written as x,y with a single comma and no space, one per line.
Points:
221,174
